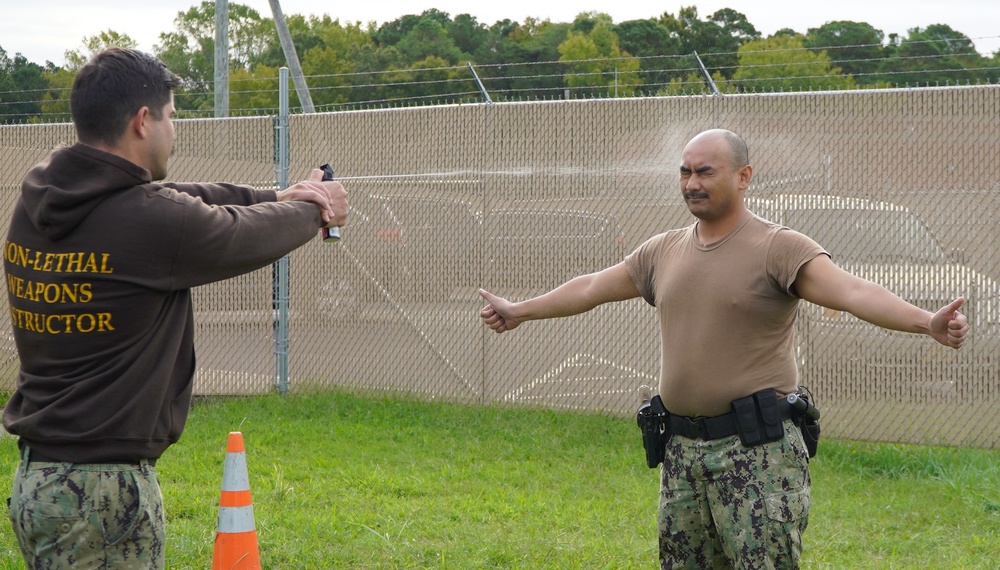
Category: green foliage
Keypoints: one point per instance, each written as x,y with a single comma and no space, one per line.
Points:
249,33
22,84
734,25
655,48
334,58
855,47
306,35
93,44
468,34
390,33
782,64
255,91
55,100
716,39
643,38
595,60
693,83
585,22
537,42
190,51
935,55
428,38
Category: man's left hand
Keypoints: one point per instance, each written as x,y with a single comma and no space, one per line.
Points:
948,326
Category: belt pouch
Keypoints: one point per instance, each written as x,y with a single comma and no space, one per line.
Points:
767,404
747,424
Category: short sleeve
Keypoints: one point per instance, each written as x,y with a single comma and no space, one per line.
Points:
789,251
641,267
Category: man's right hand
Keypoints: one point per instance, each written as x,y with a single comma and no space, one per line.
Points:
329,196
498,314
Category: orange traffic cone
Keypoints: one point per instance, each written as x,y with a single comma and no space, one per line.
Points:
236,534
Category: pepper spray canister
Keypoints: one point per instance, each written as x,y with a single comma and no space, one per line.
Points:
329,234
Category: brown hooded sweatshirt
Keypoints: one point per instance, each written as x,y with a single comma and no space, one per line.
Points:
99,264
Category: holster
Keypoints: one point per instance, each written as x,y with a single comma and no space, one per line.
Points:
807,418
652,419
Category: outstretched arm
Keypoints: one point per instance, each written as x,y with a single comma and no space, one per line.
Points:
822,282
578,295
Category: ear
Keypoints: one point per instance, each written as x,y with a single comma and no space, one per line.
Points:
746,175
138,123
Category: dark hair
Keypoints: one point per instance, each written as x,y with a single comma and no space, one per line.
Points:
110,88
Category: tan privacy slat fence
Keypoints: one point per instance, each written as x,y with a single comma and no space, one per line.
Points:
901,186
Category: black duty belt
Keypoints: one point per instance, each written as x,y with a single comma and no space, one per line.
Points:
715,427
36,457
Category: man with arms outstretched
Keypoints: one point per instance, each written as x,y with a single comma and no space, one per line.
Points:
734,494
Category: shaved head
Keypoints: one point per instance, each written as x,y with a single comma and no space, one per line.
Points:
738,150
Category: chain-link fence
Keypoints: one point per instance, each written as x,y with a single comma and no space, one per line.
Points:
900,185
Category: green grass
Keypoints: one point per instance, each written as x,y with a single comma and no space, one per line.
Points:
346,481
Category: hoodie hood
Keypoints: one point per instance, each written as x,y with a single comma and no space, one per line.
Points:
62,190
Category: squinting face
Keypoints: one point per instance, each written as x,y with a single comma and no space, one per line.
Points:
162,133
709,181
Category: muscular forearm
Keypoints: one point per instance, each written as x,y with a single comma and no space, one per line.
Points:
877,305
823,283
578,295
571,298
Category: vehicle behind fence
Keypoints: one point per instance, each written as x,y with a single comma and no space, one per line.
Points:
901,186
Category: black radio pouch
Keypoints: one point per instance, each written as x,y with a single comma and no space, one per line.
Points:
758,419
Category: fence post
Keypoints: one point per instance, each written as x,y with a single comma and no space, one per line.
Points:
708,76
280,296
482,89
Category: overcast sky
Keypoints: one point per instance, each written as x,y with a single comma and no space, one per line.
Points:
42,30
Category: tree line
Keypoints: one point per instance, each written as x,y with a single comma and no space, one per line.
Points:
432,57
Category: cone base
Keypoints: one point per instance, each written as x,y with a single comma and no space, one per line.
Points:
236,551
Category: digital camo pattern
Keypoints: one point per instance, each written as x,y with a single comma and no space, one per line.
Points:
723,505
88,516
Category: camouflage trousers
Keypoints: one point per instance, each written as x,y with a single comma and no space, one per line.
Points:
83,516
726,506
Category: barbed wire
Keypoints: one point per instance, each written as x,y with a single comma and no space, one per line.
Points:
505,86
580,75
728,54
488,79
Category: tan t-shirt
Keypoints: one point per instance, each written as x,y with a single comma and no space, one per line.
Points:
726,311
